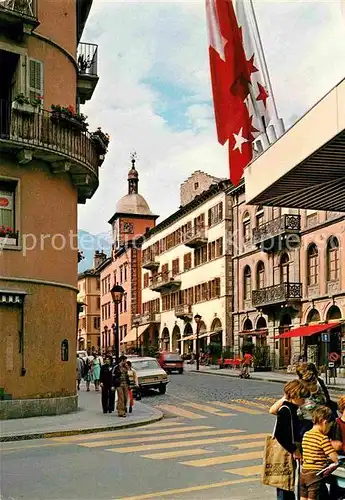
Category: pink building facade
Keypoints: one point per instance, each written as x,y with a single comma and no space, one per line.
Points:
287,274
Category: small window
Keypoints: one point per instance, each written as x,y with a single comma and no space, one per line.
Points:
7,209
196,185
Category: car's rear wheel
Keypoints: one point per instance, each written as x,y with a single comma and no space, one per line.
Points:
162,389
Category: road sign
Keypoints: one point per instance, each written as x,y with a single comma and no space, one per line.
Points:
333,356
325,337
330,364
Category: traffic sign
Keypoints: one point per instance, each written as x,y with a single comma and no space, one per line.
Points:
325,337
333,356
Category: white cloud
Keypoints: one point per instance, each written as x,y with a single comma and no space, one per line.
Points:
166,42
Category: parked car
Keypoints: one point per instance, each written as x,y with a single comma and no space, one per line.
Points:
150,374
171,361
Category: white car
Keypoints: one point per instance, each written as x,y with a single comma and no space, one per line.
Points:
150,374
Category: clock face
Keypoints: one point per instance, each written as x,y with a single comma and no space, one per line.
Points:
127,227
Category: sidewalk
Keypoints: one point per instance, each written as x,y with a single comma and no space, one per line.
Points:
264,376
89,418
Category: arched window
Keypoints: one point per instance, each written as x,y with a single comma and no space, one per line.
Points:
333,259
247,283
247,325
313,265
260,276
284,268
259,217
246,227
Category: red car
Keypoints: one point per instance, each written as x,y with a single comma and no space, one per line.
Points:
171,361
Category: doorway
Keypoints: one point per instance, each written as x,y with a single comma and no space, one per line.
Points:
284,344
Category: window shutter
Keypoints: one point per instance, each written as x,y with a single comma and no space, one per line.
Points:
35,79
220,211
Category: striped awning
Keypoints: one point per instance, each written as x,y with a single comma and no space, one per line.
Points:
12,296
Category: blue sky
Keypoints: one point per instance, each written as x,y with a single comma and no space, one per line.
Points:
154,93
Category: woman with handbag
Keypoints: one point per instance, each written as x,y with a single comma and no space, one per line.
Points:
280,461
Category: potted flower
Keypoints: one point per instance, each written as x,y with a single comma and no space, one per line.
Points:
100,140
69,117
25,105
8,235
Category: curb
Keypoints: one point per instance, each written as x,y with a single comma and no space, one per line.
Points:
261,379
72,432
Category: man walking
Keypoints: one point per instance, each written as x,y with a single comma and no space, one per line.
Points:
121,383
107,385
80,370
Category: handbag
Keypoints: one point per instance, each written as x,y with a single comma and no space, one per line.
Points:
278,466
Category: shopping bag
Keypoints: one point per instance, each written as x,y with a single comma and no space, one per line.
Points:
278,467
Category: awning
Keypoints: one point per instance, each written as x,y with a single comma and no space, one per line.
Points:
132,334
307,331
263,332
190,337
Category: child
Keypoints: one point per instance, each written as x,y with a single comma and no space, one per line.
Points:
317,452
133,382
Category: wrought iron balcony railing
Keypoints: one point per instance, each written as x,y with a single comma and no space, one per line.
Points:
164,281
196,237
33,133
268,232
27,8
147,318
149,261
87,58
184,311
277,294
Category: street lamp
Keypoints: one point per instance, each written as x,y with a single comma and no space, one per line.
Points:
116,294
197,318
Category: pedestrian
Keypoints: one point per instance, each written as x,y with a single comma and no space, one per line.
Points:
121,383
340,434
317,452
132,385
96,370
107,386
287,428
88,373
80,369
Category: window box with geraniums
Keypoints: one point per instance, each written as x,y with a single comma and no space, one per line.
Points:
100,140
8,236
68,117
24,104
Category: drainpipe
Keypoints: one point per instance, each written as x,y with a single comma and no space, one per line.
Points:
21,341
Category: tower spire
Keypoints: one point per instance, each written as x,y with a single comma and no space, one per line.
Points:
133,176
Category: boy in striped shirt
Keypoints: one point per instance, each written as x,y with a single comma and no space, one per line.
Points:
317,453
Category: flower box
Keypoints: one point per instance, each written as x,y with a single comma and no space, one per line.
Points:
68,121
7,241
25,108
101,146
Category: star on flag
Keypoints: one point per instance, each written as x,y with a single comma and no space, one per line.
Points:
263,94
239,140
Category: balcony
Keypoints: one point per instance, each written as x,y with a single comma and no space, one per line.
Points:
18,17
277,294
196,237
166,282
87,58
38,135
150,263
184,312
278,233
147,318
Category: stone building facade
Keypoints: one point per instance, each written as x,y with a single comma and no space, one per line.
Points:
47,167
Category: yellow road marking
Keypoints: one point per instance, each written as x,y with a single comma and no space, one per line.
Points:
152,439
208,409
252,470
206,462
115,434
245,446
190,489
184,444
13,449
176,410
178,453
237,408
252,403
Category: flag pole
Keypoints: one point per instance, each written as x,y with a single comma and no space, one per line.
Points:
262,57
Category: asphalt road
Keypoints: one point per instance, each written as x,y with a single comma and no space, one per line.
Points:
209,446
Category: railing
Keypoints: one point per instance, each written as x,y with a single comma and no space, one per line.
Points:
149,260
43,129
146,318
284,224
183,310
277,294
26,7
87,58
194,234
162,280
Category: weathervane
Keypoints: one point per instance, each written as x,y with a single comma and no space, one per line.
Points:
133,157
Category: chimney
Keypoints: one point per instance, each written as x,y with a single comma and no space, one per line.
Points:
98,259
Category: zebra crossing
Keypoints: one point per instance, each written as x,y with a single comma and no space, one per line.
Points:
187,443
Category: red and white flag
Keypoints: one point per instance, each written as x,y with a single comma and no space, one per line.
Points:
242,104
